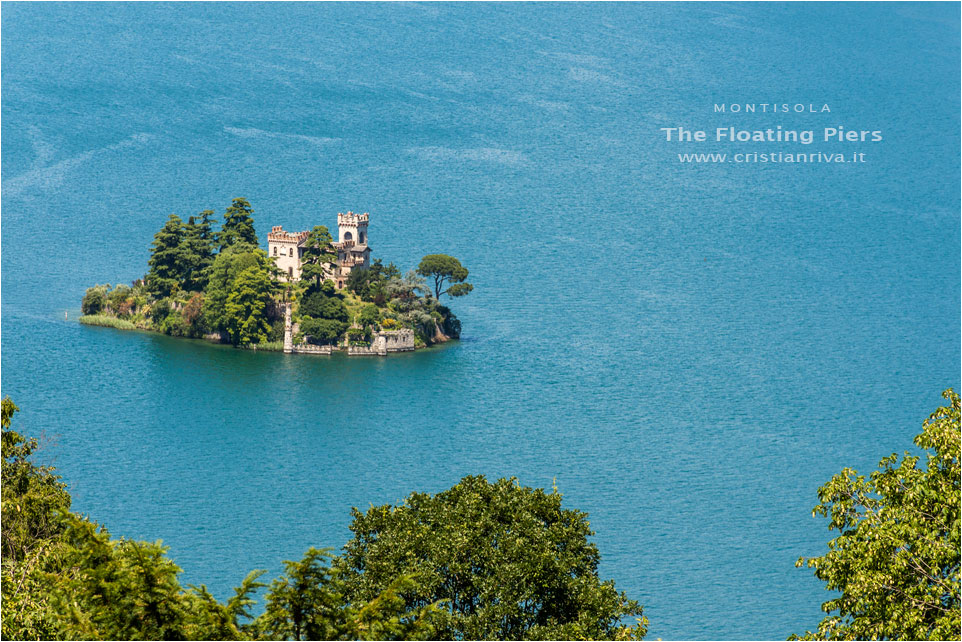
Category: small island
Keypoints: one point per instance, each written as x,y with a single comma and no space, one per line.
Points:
306,294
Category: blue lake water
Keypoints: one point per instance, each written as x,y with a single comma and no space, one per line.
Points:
689,350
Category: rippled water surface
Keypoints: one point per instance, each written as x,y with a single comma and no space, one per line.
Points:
689,350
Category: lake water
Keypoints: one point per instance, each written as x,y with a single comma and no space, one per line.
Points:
689,350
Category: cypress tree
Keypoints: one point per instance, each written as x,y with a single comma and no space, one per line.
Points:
166,261
197,253
238,225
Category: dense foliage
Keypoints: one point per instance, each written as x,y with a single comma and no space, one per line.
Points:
307,603
501,561
401,302
324,316
317,257
895,563
370,284
32,535
239,295
201,283
508,562
220,285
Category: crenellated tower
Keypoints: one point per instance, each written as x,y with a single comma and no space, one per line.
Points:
285,249
352,229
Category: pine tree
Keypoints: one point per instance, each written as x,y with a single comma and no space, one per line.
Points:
206,228
318,256
197,253
238,225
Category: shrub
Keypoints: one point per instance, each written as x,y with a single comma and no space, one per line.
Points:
322,331
320,306
159,311
175,325
450,324
368,316
277,331
117,297
95,299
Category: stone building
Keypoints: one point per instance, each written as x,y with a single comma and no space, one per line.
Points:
287,248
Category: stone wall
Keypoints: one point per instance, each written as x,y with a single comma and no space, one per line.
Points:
365,351
385,342
309,348
398,340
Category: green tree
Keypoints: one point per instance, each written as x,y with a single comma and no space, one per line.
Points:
246,307
197,252
166,262
95,299
313,304
212,620
445,269
370,284
307,603
323,316
118,590
246,313
368,316
205,229
506,561
895,563
318,256
322,331
303,604
321,306
128,590
238,227
31,535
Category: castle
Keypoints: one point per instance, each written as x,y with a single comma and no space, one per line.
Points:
287,248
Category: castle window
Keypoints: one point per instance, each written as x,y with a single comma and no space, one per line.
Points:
275,250
292,251
290,273
348,237
360,238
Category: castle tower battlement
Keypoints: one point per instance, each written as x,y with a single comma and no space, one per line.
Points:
278,235
351,218
352,228
284,248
